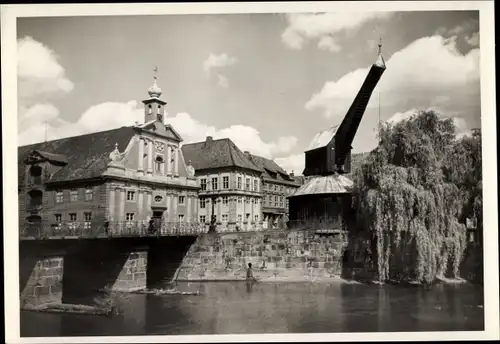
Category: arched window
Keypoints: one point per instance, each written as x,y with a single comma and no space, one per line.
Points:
35,198
150,109
36,174
159,164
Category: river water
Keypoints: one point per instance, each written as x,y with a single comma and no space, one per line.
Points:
242,308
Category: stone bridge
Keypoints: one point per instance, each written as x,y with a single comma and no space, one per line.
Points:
68,271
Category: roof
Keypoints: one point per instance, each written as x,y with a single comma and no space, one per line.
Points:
332,184
87,155
269,167
212,154
60,158
322,138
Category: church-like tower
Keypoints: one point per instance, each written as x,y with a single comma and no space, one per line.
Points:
154,106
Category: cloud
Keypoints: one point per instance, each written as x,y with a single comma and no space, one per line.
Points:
222,81
401,116
430,72
100,117
245,137
39,72
329,43
294,162
218,62
41,79
323,26
473,40
112,115
461,125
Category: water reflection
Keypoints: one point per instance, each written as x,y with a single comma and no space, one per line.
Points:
255,307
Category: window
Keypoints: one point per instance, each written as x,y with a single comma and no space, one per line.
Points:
88,219
224,217
130,216
203,184
58,218
239,182
181,199
255,185
130,195
225,182
73,195
59,197
150,109
202,219
215,185
88,194
202,203
225,200
240,218
247,201
275,201
181,218
239,200
159,163
256,218
158,199
72,219
247,184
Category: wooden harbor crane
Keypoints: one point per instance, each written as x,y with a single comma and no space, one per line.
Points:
321,203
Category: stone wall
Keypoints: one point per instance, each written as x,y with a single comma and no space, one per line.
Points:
280,255
41,280
132,276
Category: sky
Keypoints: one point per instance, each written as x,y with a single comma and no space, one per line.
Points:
269,82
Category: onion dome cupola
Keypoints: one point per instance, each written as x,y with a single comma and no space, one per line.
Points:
154,106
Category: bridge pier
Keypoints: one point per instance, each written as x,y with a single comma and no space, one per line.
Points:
133,274
41,279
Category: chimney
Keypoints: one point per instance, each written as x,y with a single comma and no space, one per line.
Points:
209,139
246,152
292,174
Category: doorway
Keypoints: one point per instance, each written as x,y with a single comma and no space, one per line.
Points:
157,219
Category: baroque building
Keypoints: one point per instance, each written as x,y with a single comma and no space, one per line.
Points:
230,186
277,185
119,179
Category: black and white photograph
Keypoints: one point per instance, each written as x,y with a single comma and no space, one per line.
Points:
269,171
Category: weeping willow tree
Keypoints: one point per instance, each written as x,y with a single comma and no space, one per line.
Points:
410,194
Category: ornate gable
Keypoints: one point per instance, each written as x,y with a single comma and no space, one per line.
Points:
166,131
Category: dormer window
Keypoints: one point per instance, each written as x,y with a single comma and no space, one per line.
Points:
159,164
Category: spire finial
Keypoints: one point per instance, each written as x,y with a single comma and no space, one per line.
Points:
380,45
155,91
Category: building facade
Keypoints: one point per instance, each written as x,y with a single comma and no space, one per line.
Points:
119,179
230,187
277,185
